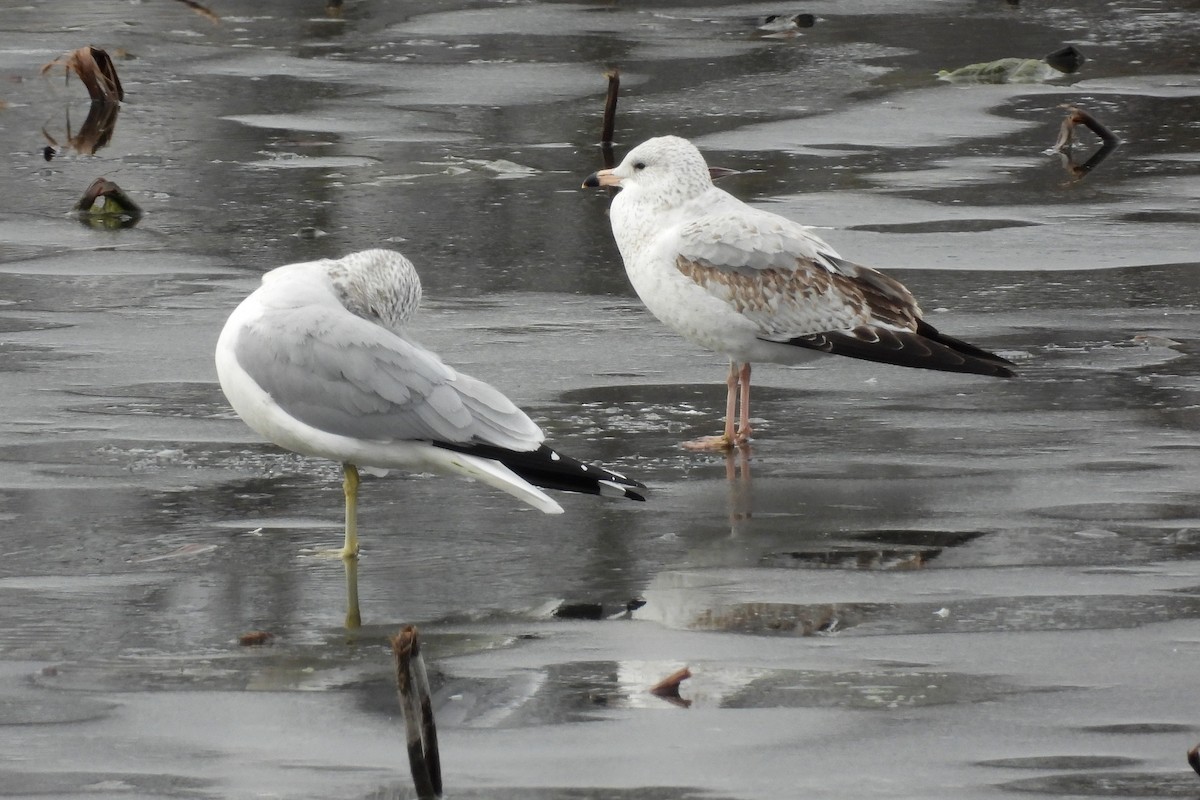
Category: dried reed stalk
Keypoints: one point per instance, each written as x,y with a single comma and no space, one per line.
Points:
1077,116
412,686
95,69
202,11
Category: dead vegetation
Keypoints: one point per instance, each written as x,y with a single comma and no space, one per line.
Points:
668,687
1077,116
96,132
106,205
95,69
412,686
202,11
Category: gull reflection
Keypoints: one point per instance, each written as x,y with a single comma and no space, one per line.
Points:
737,475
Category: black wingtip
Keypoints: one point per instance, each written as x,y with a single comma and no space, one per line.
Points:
548,469
626,490
925,348
983,362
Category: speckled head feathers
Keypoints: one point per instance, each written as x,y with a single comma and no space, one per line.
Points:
666,171
379,285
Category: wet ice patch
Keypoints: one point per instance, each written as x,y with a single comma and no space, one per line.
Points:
301,161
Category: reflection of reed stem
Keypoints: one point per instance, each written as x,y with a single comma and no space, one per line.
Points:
412,685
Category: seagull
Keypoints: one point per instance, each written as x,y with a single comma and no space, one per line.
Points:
317,361
756,286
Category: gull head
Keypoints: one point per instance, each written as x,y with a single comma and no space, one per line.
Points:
378,285
666,171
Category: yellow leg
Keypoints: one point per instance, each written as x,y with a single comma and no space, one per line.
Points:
350,489
349,550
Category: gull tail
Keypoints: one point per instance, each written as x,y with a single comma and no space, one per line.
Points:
549,469
493,473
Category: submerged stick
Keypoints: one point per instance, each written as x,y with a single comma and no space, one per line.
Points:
1077,116
412,686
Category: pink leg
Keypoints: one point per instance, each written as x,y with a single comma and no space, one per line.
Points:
744,430
726,440
731,400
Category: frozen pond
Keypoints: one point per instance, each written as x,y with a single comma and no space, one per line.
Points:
914,585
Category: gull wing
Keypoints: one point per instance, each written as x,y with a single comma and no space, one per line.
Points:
347,375
798,291
782,277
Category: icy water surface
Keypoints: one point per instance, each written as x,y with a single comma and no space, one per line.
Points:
914,585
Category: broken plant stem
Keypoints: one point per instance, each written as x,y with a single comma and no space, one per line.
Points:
95,69
669,686
1077,116
412,685
202,11
610,120
116,201
610,105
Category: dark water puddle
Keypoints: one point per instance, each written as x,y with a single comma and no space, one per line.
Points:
1049,613
945,226
1108,784
301,660
589,691
401,791
175,399
1141,728
16,783
880,690
15,325
15,357
1062,762
22,709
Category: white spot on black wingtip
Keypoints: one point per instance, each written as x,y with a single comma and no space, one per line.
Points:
610,489
555,456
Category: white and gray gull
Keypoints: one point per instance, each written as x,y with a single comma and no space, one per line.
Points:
755,286
316,360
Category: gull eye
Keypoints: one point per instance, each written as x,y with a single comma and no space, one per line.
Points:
640,165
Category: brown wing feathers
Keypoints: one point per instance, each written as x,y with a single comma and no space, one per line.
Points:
922,346
889,327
